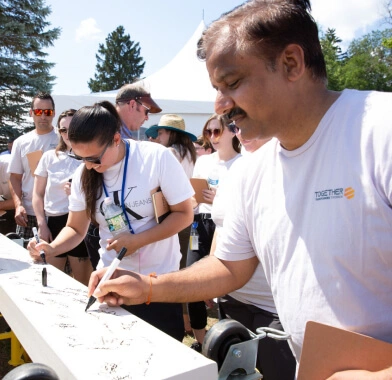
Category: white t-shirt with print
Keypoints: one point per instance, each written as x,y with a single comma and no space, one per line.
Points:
319,219
28,143
209,166
149,166
58,169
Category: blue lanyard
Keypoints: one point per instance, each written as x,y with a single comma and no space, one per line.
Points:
123,185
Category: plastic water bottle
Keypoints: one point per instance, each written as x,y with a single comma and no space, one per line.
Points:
194,238
114,217
213,178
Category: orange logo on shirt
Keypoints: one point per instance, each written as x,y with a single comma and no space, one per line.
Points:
349,192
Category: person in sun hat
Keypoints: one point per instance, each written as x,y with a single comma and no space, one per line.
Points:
133,104
168,123
170,132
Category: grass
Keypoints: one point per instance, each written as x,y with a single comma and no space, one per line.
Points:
5,346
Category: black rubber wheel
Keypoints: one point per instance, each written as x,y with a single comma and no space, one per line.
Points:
32,371
221,336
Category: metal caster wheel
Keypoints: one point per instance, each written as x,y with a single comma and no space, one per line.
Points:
221,336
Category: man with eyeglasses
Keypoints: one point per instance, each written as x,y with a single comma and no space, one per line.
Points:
133,104
26,152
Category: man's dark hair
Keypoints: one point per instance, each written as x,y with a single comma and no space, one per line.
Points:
264,28
44,96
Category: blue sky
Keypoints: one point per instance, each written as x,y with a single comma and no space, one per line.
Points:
162,27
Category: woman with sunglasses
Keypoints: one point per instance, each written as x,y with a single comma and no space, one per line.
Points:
50,201
213,167
129,172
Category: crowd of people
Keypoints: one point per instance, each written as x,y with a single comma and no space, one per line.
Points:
295,224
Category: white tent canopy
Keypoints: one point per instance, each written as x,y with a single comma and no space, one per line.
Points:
181,87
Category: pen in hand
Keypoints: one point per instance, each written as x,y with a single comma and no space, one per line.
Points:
113,266
42,252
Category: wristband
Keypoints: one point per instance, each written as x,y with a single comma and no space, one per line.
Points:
153,274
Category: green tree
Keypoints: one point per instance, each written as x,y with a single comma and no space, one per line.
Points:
23,68
118,62
369,62
334,59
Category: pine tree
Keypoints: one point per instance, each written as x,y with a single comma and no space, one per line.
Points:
118,63
23,68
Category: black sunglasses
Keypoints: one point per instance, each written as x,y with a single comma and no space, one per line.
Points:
147,110
92,160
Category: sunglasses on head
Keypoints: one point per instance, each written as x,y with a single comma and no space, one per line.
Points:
92,160
38,112
209,132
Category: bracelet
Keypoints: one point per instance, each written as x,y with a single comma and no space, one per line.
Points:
153,274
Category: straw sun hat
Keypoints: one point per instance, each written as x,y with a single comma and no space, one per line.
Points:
170,122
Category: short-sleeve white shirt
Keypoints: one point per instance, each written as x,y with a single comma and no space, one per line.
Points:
28,143
58,170
319,220
150,166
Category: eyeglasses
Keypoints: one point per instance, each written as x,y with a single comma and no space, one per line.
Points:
38,112
147,109
216,132
63,130
92,160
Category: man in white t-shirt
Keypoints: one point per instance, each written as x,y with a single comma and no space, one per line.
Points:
26,152
314,205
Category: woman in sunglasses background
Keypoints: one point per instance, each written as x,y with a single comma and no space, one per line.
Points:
129,172
213,167
50,200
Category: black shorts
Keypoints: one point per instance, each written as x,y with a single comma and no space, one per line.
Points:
56,224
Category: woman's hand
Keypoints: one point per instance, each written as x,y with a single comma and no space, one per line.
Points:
34,249
125,239
67,188
209,195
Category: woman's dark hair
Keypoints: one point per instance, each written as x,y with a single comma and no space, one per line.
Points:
99,122
223,124
62,146
183,144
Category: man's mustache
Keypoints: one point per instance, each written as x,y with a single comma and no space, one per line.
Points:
228,118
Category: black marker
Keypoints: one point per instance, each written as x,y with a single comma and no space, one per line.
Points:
42,252
44,277
113,266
